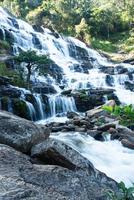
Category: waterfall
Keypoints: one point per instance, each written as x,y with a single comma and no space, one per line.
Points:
83,67
61,105
31,110
40,104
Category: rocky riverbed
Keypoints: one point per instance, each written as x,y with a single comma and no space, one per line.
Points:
36,165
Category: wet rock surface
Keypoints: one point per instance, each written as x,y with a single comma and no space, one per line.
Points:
20,133
20,179
88,99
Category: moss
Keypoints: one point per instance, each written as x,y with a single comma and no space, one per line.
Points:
16,78
4,103
4,45
20,108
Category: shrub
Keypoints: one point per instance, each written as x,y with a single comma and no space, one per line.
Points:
125,114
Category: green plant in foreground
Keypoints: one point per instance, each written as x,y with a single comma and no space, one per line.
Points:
127,193
125,114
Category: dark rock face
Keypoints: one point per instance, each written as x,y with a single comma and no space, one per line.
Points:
20,133
9,36
4,80
14,22
109,80
43,88
36,42
129,86
107,70
119,69
130,61
38,28
21,179
56,152
87,100
9,91
71,115
1,34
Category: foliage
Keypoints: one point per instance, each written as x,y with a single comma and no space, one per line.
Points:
4,45
33,62
125,114
14,75
85,19
104,45
127,193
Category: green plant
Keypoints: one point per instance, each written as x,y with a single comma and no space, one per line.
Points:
33,62
127,193
125,114
15,77
4,45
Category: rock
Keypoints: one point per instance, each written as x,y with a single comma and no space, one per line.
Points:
88,99
97,112
119,69
109,80
9,36
38,28
97,135
53,151
10,91
107,126
129,85
71,115
36,41
43,88
20,133
20,108
80,129
1,34
66,92
20,179
4,80
125,134
107,70
128,143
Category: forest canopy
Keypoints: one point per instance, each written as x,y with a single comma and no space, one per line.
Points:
80,18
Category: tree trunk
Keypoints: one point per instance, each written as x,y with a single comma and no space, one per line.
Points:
28,75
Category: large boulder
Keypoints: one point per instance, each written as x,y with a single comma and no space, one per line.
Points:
9,91
20,133
20,179
88,99
53,151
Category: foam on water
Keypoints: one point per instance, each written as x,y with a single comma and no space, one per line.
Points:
109,157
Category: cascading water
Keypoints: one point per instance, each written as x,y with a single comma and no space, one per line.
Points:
60,105
82,68
66,53
121,168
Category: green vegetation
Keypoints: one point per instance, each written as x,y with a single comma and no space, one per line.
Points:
125,114
14,75
4,45
100,23
127,193
33,62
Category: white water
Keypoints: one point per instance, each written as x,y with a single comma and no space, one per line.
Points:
60,51
109,157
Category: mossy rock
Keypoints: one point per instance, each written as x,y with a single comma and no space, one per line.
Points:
4,103
20,108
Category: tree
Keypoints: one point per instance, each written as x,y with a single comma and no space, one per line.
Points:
32,62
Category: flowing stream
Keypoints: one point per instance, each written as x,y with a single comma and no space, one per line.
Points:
82,68
109,157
